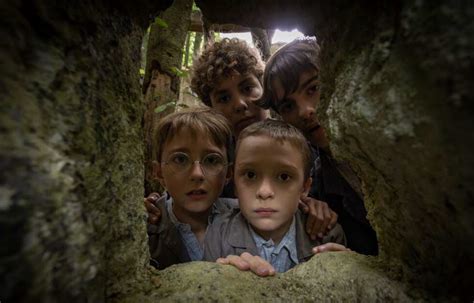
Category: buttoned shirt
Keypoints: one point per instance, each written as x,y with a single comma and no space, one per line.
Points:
192,244
282,256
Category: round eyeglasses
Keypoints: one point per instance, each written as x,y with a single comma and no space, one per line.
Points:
211,164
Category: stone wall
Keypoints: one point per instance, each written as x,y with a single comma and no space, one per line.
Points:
71,216
396,101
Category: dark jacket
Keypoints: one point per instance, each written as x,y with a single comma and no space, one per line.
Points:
230,235
164,240
330,186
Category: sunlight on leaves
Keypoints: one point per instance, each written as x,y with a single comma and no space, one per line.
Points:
179,72
163,107
160,22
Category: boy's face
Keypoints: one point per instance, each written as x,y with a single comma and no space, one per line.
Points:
235,98
193,186
269,181
299,108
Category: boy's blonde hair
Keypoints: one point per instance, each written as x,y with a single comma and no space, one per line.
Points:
220,60
197,121
287,64
282,132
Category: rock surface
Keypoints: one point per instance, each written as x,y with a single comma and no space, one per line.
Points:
326,277
397,104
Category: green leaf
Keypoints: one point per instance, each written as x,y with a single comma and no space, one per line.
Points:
142,71
163,107
160,22
178,72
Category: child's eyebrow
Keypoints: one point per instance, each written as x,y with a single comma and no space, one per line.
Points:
220,92
179,149
188,150
213,151
286,100
307,82
288,167
248,79
282,167
245,164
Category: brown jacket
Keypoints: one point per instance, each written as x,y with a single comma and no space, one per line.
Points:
164,240
230,235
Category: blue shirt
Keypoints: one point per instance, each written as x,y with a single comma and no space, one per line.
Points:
194,248
282,256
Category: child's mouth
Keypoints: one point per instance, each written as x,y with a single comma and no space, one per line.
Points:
197,194
265,212
313,129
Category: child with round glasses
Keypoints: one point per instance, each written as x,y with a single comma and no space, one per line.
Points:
227,76
192,163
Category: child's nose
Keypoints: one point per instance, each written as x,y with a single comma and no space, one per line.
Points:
307,111
265,191
196,171
240,103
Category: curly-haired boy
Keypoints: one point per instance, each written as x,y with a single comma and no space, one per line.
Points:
227,76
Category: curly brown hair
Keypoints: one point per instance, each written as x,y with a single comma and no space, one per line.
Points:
219,60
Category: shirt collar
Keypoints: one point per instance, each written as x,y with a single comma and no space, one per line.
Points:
288,242
169,207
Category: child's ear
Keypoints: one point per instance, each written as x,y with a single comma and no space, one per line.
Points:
158,173
307,187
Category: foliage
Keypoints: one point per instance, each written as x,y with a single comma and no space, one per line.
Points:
160,22
194,39
163,107
179,72
171,104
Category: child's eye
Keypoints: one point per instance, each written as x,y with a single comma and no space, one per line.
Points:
312,89
250,175
224,99
284,177
248,89
213,160
181,159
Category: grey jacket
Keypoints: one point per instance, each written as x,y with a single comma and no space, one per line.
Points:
230,235
164,240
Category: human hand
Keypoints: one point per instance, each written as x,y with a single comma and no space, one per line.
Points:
154,213
246,261
321,219
329,247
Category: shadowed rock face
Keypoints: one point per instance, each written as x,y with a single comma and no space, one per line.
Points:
396,102
71,220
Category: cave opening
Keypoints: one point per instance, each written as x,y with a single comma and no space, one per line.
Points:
397,90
